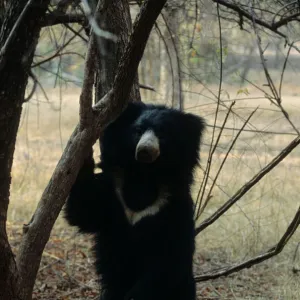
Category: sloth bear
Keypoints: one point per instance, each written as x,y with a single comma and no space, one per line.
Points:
139,208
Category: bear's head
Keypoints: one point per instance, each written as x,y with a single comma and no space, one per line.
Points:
152,145
152,134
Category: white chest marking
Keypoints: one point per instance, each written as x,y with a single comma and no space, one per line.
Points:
134,217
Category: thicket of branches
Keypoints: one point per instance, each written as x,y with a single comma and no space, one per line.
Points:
110,50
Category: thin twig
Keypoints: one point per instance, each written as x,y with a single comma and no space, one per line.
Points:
271,84
198,205
248,186
76,32
194,28
282,8
212,148
147,87
263,61
272,27
86,96
225,158
55,18
283,68
57,52
254,131
259,258
33,90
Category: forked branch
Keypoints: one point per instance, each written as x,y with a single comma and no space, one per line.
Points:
247,186
259,258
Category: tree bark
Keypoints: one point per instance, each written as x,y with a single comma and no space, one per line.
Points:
114,17
15,60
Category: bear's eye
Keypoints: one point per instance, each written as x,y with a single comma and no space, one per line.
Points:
138,131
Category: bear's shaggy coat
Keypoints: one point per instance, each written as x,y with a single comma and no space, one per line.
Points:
139,208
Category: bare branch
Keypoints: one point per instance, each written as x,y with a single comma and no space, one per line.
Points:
271,84
258,259
225,158
147,87
58,51
254,131
33,90
246,187
283,8
55,18
86,96
242,13
212,148
283,69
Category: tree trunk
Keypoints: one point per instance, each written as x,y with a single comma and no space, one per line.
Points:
114,17
16,56
171,35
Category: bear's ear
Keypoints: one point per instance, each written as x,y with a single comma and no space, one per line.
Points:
115,139
130,114
192,127
189,130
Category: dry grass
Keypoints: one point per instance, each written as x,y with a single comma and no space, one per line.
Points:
251,226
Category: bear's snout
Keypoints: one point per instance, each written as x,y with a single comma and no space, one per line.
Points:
147,149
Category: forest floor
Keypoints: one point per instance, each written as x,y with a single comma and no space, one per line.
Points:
67,272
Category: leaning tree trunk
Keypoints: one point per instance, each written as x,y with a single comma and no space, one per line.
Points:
16,54
114,17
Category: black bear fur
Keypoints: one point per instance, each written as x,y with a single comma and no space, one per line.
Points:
141,254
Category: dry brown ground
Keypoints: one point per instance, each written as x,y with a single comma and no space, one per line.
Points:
250,227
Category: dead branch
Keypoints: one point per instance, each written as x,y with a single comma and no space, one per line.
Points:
224,160
58,51
276,94
35,84
247,186
147,87
212,147
259,258
274,26
55,18
86,96
107,109
254,131
283,70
